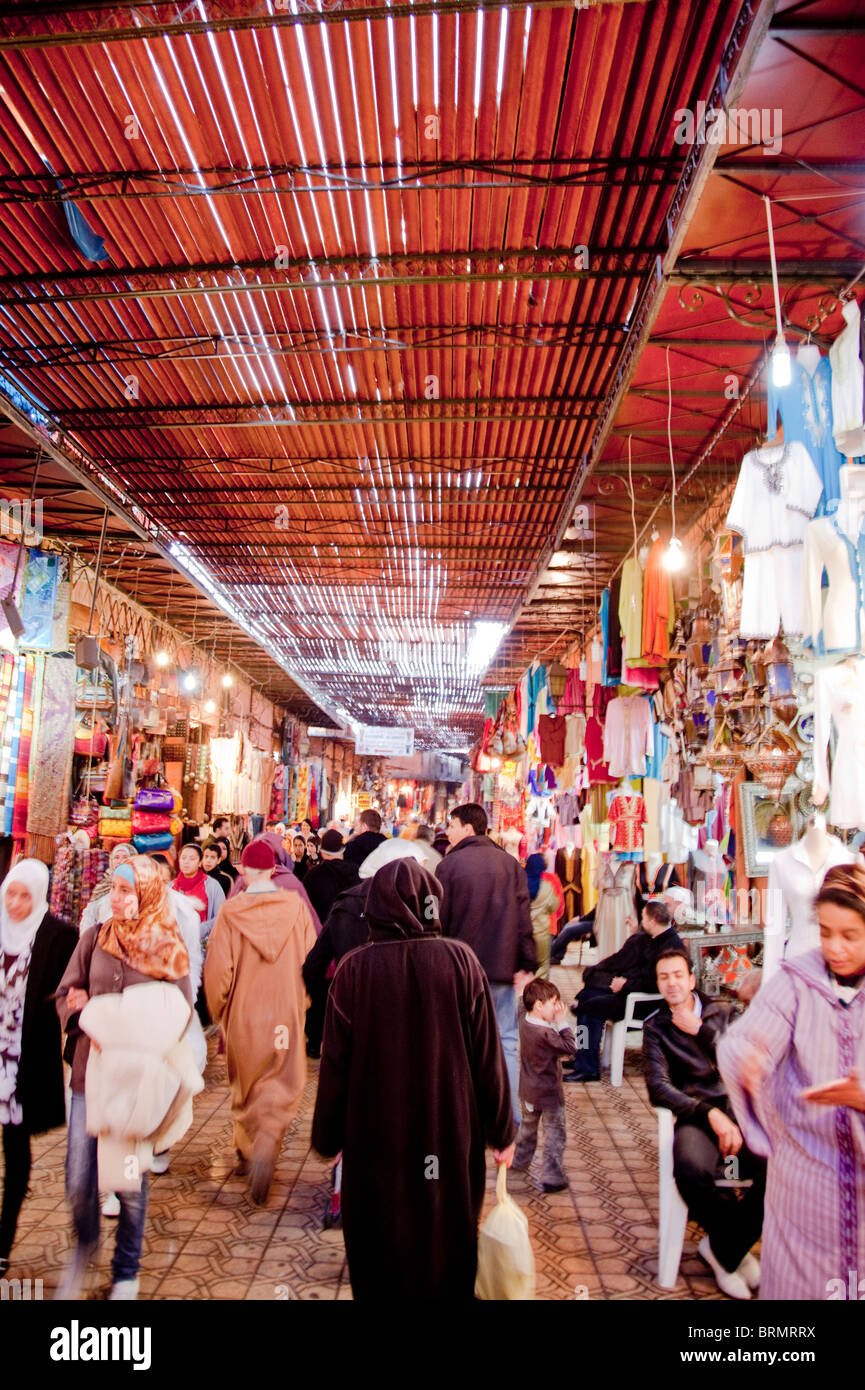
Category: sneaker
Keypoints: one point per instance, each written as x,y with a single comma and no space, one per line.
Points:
111,1205
749,1270
554,1186
160,1163
72,1280
732,1284
580,1076
124,1291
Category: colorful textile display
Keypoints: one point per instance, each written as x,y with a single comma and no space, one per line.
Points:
48,810
75,874
38,595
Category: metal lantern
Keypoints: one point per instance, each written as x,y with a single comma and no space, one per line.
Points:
772,761
779,671
557,675
728,674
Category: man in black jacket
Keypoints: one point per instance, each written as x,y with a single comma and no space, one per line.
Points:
606,987
368,838
486,905
331,876
709,1153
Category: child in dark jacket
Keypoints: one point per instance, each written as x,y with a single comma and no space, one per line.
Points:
545,1039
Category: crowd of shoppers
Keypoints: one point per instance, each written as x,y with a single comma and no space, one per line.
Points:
418,968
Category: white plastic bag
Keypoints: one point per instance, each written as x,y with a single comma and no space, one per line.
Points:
506,1263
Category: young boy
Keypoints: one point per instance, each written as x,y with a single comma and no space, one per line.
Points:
545,1039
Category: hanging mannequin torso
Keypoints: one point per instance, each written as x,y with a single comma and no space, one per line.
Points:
795,876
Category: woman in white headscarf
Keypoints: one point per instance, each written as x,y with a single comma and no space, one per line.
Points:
35,949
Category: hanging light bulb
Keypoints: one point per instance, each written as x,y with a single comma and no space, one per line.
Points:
782,372
227,680
782,369
190,681
162,658
210,707
674,555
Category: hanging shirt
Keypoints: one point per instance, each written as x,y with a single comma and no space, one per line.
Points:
834,616
614,635
631,611
551,734
628,736
523,705
658,608
847,384
839,699
805,408
627,816
537,680
575,735
597,768
776,493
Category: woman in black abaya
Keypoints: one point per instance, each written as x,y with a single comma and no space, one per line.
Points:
412,1089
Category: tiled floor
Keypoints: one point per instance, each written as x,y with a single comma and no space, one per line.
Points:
205,1240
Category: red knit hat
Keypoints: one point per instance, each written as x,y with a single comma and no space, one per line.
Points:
258,855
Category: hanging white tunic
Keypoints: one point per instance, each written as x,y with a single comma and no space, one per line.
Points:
839,701
777,492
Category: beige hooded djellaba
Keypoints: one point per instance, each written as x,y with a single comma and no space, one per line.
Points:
255,990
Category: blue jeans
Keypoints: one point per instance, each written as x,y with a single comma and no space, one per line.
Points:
82,1190
505,1005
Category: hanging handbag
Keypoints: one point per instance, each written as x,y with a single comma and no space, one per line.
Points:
154,799
152,841
144,821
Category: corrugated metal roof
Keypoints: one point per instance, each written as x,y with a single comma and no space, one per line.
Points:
346,349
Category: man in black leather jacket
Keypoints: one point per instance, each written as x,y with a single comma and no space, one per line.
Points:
679,1042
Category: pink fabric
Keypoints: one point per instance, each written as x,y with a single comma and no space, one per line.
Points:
641,676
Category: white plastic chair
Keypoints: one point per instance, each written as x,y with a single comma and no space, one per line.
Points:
672,1211
616,1036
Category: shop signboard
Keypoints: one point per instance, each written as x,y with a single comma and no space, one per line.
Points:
380,742
364,801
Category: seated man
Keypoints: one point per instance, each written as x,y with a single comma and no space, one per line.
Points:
607,985
679,1042
578,927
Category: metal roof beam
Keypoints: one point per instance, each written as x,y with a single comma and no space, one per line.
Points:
302,274
218,21
37,356
304,413
809,272
178,182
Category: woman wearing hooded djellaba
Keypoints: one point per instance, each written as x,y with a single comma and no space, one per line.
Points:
412,1089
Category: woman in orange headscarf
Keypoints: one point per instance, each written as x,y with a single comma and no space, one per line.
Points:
139,943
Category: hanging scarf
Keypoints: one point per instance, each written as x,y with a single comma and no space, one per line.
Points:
150,942
17,937
195,887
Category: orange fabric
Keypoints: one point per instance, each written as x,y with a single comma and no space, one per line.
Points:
657,608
